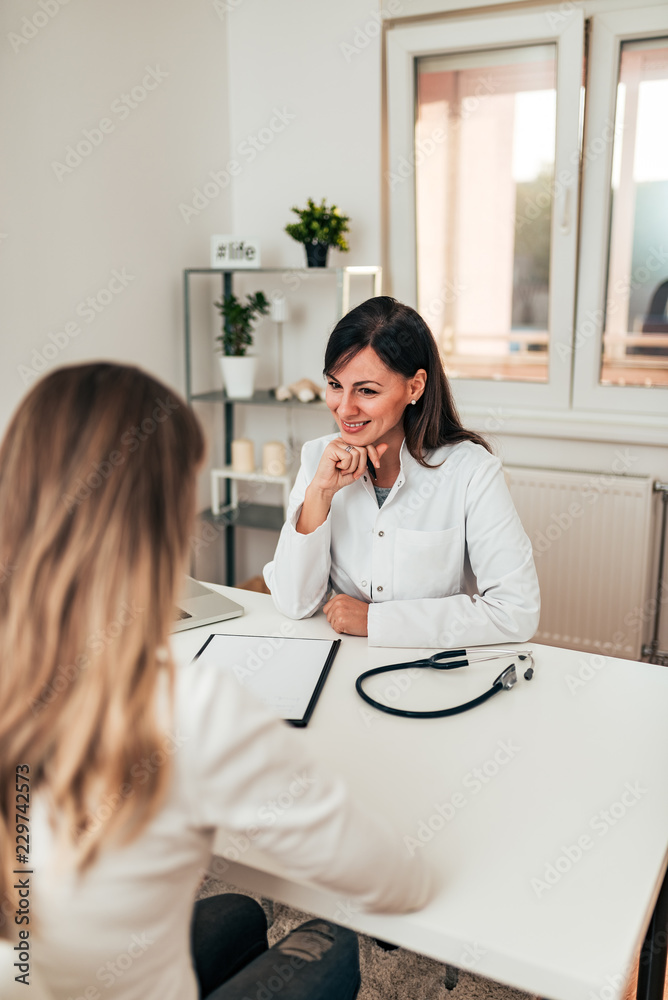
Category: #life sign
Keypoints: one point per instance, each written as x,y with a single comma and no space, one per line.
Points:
232,251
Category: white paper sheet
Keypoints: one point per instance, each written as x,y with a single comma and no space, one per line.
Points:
283,673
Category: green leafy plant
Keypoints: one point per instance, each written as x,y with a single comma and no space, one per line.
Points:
319,224
238,320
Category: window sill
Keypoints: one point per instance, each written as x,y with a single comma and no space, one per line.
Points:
567,425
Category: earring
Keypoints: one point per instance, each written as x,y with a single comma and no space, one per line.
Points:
413,402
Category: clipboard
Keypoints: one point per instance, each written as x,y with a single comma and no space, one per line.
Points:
286,674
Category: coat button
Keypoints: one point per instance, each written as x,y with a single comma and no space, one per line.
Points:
364,583
380,534
379,589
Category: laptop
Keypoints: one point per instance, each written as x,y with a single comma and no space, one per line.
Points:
199,605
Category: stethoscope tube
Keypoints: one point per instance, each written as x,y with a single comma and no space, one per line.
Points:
458,658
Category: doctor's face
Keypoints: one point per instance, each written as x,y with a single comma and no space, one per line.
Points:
368,399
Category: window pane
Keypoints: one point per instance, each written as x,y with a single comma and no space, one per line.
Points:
485,153
635,341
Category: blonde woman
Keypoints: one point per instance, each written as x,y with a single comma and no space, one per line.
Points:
131,760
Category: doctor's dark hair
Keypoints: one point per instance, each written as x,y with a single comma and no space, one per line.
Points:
403,341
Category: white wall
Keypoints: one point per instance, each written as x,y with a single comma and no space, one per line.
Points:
118,209
237,71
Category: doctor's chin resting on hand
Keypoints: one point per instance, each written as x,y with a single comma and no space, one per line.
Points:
430,551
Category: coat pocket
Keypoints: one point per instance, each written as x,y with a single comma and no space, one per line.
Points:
427,563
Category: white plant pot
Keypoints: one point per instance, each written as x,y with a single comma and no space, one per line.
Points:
238,375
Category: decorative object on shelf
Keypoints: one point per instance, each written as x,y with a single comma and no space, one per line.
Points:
319,228
232,251
237,367
279,314
243,455
273,458
304,390
238,375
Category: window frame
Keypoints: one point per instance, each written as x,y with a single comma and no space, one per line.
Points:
405,44
609,30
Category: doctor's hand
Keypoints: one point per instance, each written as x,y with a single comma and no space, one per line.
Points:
338,467
345,614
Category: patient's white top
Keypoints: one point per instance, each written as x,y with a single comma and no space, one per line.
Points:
122,930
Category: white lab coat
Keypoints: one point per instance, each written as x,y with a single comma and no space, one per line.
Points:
444,562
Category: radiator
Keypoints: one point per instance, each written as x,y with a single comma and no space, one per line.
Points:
591,536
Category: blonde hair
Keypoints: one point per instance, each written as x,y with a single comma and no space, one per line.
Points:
97,492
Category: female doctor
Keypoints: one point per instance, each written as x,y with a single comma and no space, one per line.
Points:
429,553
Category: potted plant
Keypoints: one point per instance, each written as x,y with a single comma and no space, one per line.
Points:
319,228
238,318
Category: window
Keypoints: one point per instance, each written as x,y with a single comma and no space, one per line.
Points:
484,207
635,337
491,126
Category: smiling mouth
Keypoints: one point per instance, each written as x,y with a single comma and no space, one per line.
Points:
354,426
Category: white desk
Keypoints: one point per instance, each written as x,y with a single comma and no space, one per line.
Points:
560,761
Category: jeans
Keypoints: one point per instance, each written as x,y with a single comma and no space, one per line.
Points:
316,961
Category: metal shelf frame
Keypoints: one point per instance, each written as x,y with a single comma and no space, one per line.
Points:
256,515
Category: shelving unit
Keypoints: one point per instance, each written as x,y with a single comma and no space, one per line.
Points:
248,477
232,513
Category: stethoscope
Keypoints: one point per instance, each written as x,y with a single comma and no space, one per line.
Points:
455,658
